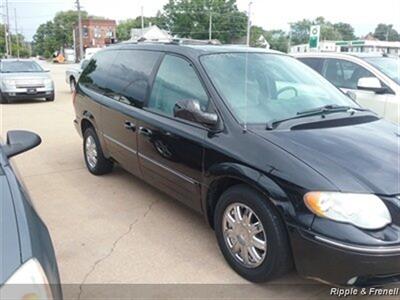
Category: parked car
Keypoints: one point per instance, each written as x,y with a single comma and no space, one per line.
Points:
29,268
73,72
373,78
24,79
89,52
284,166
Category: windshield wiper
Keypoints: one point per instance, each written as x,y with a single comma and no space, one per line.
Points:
325,109
331,108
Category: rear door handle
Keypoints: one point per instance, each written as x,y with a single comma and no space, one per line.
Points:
145,131
130,126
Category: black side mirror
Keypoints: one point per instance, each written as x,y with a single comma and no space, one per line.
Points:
19,141
190,110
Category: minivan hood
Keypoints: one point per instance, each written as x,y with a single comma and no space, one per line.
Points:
363,158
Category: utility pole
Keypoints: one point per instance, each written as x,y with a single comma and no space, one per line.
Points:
74,42
16,31
8,31
78,6
210,26
249,23
142,18
5,30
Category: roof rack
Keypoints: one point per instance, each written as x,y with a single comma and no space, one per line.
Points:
186,41
175,41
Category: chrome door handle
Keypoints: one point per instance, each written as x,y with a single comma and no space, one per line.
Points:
130,126
145,131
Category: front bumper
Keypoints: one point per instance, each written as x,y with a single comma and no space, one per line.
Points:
27,93
343,264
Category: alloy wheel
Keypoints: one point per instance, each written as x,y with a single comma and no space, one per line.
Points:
244,235
91,151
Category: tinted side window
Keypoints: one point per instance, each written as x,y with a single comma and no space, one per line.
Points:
315,63
343,73
129,75
96,74
176,80
333,72
352,73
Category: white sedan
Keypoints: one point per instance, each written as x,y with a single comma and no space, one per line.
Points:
373,78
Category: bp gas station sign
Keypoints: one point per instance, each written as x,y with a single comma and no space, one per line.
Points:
314,36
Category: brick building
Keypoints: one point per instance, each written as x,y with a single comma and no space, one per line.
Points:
96,33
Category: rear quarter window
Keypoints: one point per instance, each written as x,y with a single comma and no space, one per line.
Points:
129,75
96,74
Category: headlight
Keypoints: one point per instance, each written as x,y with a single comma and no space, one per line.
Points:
28,282
48,82
362,210
9,82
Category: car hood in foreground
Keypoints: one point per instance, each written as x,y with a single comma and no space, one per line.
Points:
360,158
10,252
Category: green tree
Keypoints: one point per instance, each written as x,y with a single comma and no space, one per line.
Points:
332,32
386,32
56,34
23,48
346,31
124,27
190,18
277,39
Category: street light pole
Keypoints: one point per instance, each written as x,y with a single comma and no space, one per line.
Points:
290,37
249,23
78,6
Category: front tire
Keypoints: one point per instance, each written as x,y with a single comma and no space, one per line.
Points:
95,161
72,85
251,235
50,98
3,99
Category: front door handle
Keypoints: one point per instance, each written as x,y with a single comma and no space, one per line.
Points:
130,126
145,131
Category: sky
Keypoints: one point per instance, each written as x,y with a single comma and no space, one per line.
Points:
364,15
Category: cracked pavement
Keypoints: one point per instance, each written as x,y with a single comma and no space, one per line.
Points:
113,228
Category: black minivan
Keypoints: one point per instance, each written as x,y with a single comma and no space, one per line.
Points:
286,169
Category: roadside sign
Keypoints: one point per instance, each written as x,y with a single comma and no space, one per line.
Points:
314,36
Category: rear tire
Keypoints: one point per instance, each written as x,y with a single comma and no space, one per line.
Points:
276,256
95,161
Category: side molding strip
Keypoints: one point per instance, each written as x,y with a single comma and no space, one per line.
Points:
184,177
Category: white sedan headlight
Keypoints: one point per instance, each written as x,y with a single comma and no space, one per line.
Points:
365,211
28,282
48,83
9,82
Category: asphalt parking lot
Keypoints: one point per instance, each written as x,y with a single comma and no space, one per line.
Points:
114,228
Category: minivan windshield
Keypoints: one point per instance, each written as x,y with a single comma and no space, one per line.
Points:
19,66
264,87
387,65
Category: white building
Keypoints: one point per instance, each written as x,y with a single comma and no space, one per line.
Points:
361,46
151,33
